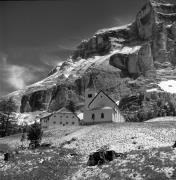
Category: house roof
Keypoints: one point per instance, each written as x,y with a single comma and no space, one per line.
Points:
66,111
105,95
44,115
63,110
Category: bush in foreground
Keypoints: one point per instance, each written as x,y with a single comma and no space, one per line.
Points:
35,134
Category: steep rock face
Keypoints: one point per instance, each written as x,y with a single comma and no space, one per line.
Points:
145,21
35,101
106,40
57,97
96,45
110,55
155,23
134,60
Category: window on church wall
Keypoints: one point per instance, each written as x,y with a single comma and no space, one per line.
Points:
102,115
89,95
93,116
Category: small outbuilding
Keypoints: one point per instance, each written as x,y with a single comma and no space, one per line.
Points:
62,117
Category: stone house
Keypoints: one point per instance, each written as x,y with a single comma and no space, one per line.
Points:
62,117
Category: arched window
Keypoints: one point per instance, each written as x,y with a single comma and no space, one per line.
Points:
102,115
93,116
73,123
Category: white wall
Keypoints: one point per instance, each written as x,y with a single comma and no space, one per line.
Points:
117,117
107,116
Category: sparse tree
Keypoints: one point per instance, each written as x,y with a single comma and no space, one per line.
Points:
71,106
7,107
23,138
35,134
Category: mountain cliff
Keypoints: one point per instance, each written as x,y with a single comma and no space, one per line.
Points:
121,60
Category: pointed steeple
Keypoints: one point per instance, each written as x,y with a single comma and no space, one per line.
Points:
90,91
91,83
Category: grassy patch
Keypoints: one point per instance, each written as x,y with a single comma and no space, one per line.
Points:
53,163
153,164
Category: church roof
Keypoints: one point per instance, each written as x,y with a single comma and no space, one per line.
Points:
45,115
63,110
105,95
101,108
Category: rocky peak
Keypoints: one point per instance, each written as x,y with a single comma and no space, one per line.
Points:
111,56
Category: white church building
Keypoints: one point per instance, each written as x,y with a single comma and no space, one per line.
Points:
100,108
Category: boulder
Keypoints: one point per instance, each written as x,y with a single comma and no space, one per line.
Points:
9,156
102,157
6,156
45,145
174,145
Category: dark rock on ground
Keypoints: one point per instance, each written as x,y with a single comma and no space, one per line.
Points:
174,145
6,157
102,157
45,145
9,156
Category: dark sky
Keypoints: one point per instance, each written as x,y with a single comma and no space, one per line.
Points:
36,35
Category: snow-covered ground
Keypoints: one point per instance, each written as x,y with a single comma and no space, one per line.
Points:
152,90
168,86
162,119
101,31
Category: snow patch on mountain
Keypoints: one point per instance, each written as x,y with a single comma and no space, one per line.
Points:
102,31
168,86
